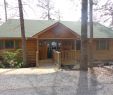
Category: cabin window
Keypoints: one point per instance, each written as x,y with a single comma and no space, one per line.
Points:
1,44
9,44
78,45
16,44
102,44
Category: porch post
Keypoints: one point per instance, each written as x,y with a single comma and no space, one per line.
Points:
61,41
37,54
75,44
59,60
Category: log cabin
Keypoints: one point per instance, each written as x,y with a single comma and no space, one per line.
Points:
55,40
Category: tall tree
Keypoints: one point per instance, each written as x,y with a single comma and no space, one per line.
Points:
48,8
91,32
58,15
84,48
5,9
22,32
105,11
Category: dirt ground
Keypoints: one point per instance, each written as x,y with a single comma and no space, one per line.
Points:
50,81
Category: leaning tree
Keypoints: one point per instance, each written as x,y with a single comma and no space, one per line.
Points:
22,32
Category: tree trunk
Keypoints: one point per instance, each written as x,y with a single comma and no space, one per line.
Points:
112,19
84,48
91,32
22,32
5,9
48,13
49,18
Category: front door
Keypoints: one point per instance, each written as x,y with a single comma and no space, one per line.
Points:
53,45
43,49
49,51
46,48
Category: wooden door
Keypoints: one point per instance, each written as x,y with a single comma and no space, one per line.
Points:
43,49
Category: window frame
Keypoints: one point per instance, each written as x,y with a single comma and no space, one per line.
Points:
102,44
7,43
15,44
2,43
78,44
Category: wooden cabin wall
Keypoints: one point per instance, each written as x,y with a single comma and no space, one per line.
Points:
100,55
67,45
103,54
31,50
57,32
11,49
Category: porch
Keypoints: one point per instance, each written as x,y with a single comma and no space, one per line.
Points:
58,52
58,43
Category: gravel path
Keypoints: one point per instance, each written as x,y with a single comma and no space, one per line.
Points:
33,81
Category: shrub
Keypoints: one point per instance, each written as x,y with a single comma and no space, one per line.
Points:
13,59
2,65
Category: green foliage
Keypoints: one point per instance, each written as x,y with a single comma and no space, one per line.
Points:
2,65
13,59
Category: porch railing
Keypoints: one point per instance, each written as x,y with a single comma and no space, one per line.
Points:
67,57
70,57
57,58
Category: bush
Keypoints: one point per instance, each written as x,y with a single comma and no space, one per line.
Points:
2,65
13,59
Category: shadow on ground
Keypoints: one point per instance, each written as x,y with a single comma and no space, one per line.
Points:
35,81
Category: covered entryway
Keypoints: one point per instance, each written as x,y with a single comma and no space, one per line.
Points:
46,48
56,38
52,51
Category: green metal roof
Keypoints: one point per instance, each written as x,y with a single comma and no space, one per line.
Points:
11,28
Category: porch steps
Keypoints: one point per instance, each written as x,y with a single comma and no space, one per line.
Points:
46,61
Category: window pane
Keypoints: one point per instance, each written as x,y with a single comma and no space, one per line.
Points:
97,45
9,44
1,44
102,44
16,44
108,44
78,45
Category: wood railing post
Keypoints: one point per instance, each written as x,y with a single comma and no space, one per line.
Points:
59,60
37,59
